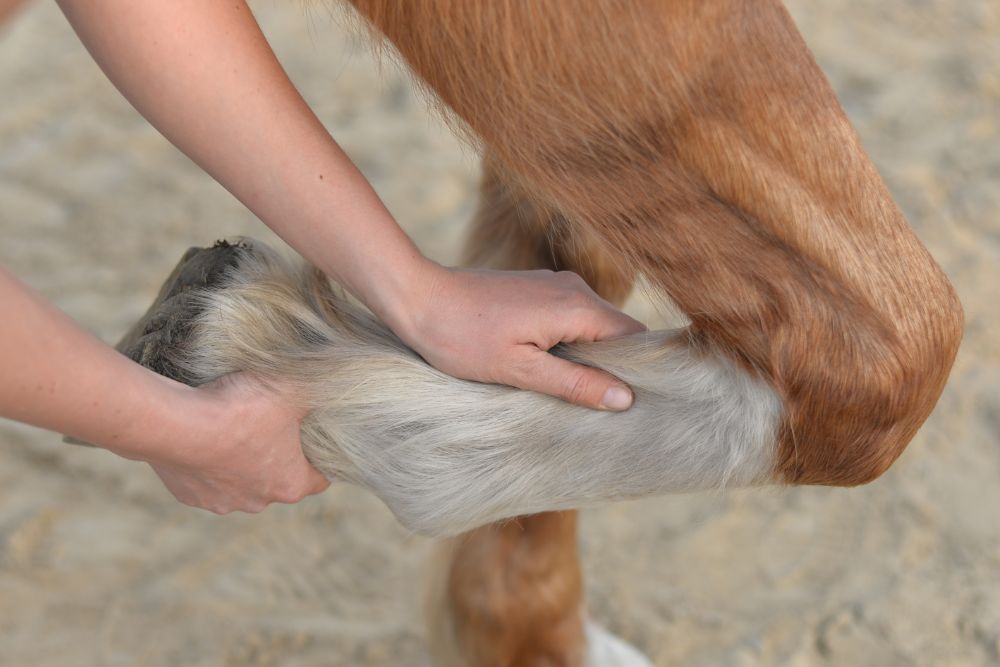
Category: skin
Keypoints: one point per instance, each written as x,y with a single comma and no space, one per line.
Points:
202,73
7,9
222,447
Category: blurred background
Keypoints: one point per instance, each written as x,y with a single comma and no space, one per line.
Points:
100,566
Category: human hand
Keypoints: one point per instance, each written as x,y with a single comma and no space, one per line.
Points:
250,457
230,445
497,326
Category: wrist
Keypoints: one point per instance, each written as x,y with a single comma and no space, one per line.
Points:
179,424
400,295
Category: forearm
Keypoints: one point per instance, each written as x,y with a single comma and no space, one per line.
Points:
203,74
57,376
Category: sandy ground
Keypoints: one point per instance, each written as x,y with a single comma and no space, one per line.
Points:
99,566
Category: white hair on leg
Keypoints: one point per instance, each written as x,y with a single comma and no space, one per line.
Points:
606,650
447,455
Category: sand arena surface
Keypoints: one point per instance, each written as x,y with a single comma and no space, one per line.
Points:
100,566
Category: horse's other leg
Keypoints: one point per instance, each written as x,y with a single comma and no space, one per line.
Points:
510,233
511,594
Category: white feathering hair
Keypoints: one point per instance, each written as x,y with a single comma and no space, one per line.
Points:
447,455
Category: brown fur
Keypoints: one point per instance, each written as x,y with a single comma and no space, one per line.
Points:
700,143
514,595
510,233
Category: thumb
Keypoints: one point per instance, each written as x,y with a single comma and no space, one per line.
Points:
572,382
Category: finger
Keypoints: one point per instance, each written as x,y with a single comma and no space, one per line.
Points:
317,483
603,324
611,321
597,319
574,383
311,483
249,507
617,323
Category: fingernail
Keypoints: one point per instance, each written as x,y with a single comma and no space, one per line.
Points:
616,398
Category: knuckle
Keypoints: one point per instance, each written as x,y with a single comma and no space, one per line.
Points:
565,275
289,493
282,496
577,386
574,280
255,507
580,301
291,497
519,372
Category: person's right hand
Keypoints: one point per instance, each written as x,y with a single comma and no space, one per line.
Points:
498,326
250,457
